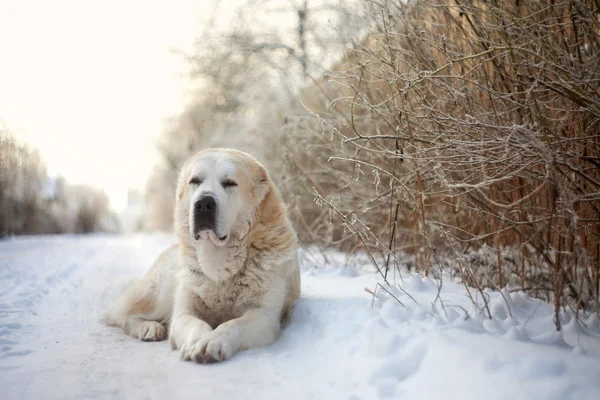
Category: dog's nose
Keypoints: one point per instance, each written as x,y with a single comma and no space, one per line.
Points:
205,213
206,204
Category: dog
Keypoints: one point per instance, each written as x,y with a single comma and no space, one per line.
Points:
232,279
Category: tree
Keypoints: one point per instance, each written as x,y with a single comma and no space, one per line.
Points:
249,72
22,172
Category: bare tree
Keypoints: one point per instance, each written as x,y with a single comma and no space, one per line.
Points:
249,73
22,172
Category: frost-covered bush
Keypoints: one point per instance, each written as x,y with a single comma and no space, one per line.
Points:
455,125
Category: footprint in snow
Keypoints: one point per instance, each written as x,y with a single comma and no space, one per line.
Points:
403,366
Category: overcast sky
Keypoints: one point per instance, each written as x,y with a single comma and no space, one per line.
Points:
89,83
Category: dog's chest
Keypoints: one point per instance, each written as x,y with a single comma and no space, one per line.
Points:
224,300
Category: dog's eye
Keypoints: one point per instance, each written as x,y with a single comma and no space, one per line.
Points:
228,184
195,181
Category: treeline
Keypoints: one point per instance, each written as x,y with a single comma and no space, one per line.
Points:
32,203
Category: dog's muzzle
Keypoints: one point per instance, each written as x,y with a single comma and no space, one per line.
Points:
205,214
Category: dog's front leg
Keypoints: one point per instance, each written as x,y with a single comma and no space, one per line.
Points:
186,328
258,327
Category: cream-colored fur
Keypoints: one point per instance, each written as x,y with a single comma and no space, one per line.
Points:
218,296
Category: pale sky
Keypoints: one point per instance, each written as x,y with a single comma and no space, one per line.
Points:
90,83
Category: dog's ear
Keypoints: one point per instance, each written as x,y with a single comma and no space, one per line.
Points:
180,192
182,183
263,185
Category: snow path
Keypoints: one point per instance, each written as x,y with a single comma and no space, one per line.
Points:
53,345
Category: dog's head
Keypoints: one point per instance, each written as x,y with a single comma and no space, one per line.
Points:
218,194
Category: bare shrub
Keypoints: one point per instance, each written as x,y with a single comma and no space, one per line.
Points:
457,126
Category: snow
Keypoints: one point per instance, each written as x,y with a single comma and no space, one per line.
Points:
340,343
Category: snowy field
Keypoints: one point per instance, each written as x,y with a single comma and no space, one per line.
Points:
339,344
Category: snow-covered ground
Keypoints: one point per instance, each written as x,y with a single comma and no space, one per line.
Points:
340,342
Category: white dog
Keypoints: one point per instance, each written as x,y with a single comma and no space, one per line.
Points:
233,277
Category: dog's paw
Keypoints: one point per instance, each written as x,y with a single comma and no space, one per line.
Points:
217,348
188,349
152,331
212,347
